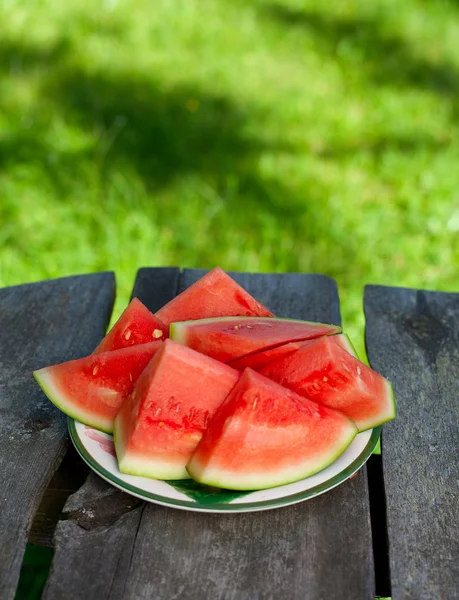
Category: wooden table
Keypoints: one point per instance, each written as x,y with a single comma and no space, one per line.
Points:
391,530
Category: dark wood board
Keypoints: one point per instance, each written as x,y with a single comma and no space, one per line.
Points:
412,338
67,480
155,291
313,550
73,471
94,543
40,324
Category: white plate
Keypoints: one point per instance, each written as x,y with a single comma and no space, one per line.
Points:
97,450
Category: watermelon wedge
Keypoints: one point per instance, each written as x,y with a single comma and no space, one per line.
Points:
264,435
136,325
259,360
325,373
161,423
214,295
92,389
229,338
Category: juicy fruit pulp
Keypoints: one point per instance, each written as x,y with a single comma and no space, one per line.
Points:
229,338
214,295
92,389
325,373
264,435
259,360
161,423
136,325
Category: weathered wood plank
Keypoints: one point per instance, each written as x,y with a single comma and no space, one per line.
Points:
412,337
40,324
156,289
67,480
73,471
94,545
314,550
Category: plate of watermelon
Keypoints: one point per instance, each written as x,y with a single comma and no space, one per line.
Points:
213,404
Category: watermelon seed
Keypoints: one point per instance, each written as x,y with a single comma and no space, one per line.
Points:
161,424
249,326
325,379
254,404
127,335
358,371
95,370
157,333
157,413
130,376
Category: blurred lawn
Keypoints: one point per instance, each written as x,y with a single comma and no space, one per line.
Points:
265,136
257,135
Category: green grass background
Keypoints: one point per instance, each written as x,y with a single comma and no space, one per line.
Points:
263,135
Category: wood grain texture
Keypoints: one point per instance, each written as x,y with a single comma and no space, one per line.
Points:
40,324
320,549
73,471
95,542
155,287
67,480
412,338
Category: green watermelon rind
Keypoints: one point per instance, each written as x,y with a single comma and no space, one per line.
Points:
230,482
44,380
177,329
144,467
385,416
391,405
348,345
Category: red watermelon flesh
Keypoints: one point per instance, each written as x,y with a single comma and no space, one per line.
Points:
92,389
161,423
229,338
136,325
325,373
259,360
264,435
215,294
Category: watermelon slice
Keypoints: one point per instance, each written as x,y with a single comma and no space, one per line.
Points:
229,338
264,435
261,359
214,295
325,373
136,325
92,389
161,423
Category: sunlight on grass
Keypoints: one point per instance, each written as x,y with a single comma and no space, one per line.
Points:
264,136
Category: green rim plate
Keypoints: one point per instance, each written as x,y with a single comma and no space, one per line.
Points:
96,449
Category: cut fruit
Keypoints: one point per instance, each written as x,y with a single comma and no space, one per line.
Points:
161,423
229,338
262,359
325,373
136,325
264,435
92,389
214,295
